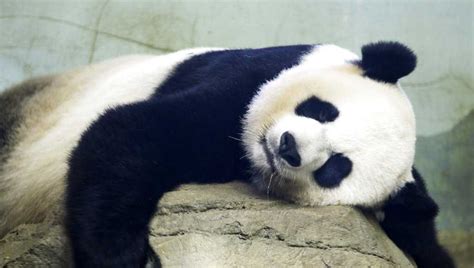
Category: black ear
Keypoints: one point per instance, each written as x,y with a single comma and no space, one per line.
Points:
387,61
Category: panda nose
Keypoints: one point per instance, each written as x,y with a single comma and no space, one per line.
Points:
288,151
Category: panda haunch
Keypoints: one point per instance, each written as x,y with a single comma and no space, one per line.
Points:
317,125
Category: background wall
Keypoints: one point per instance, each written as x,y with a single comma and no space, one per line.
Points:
39,37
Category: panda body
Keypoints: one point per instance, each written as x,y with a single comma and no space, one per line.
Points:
313,124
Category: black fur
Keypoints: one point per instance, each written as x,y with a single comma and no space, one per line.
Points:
133,154
387,61
317,109
336,168
410,222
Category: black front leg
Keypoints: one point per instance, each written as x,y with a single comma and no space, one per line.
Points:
409,220
108,215
115,179
128,159
107,221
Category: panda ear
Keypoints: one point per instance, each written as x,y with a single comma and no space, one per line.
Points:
387,61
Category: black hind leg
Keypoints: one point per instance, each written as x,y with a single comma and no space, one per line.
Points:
410,222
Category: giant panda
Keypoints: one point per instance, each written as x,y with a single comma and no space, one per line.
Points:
312,124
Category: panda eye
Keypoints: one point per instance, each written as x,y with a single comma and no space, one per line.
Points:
317,109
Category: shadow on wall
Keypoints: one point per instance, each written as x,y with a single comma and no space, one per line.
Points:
449,172
450,181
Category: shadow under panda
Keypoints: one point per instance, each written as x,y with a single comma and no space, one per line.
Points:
315,125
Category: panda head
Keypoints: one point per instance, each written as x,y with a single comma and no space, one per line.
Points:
335,129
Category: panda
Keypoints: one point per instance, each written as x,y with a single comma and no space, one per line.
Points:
313,124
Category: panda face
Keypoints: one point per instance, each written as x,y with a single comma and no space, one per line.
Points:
323,133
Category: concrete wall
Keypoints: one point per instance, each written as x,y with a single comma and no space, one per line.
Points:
39,37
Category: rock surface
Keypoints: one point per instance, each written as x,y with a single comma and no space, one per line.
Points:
229,225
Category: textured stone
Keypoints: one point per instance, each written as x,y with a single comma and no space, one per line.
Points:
34,245
230,225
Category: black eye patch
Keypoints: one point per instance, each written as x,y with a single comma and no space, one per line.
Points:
317,109
336,168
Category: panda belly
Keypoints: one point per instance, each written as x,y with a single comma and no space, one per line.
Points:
52,118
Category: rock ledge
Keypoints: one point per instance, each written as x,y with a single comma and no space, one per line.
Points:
229,225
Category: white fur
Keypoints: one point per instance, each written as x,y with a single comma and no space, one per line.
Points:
32,179
375,129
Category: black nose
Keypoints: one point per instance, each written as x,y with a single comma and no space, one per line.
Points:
288,151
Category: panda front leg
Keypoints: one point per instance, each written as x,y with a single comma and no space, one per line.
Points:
114,183
409,220
107,223
107,220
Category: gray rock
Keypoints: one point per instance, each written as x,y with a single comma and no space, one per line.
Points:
229,225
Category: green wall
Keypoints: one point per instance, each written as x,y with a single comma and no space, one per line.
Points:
39,37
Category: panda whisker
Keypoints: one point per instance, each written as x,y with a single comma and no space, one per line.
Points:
247,155
280,182
269,184
234,138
